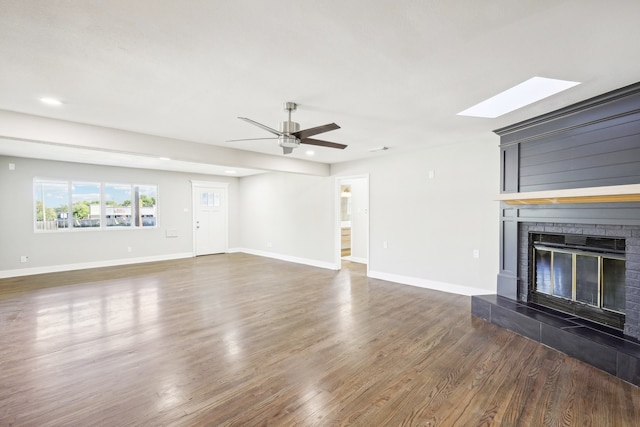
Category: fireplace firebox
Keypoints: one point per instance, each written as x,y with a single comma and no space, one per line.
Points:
580,275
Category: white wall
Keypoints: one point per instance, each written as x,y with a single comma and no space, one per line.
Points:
53,251
433,225
288,216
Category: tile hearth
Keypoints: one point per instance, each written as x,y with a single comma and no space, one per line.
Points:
605,348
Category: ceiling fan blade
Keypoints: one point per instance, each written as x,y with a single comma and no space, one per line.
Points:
305,133
322,143
260,125
247,139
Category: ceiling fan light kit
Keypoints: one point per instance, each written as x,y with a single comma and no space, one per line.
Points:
290,136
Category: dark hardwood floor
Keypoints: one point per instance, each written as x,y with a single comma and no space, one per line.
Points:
243,340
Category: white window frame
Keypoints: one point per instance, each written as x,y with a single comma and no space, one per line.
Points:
143,221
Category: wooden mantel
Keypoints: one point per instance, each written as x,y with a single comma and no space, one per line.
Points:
608,194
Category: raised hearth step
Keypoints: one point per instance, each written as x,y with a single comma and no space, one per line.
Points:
601,346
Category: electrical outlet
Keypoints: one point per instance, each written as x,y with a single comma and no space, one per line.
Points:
384,244
24,258
269,244
129,249
476,253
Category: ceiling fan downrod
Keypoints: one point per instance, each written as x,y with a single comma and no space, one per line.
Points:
289,106
288,127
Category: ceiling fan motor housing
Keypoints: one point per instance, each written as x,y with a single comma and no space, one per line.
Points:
288,140
290,136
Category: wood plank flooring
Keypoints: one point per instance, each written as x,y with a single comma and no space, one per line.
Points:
240,340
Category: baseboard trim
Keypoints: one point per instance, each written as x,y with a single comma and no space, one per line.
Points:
428,284
281,257
4,274
405,280
359,260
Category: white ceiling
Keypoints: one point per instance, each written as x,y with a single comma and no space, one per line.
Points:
390,73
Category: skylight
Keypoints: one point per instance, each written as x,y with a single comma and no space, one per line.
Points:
528,92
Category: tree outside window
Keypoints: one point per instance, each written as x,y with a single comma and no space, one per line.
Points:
51,204
118,205
146,196
86,204
70,204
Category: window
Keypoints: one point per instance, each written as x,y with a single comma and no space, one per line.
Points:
146,196
93,205
51,205
86,204
117,200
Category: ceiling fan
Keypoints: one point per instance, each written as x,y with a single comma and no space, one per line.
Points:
290,136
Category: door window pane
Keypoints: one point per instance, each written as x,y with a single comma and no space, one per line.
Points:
210,199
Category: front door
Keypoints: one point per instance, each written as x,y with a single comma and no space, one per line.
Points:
210,218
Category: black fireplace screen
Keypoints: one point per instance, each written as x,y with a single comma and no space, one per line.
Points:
591,278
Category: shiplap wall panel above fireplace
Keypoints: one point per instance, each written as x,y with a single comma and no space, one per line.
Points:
595,143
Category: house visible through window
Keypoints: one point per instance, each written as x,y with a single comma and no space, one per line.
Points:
86,204
117,200
93,205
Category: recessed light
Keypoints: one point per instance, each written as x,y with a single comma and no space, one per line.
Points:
50,101
230,171
164,158
525,93
310,152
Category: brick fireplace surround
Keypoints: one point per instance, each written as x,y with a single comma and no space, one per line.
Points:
571,171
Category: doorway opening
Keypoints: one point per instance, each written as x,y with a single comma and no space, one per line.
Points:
352,219
345,221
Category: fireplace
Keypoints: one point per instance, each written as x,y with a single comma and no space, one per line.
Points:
550,304
569,260
582,270
580,275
